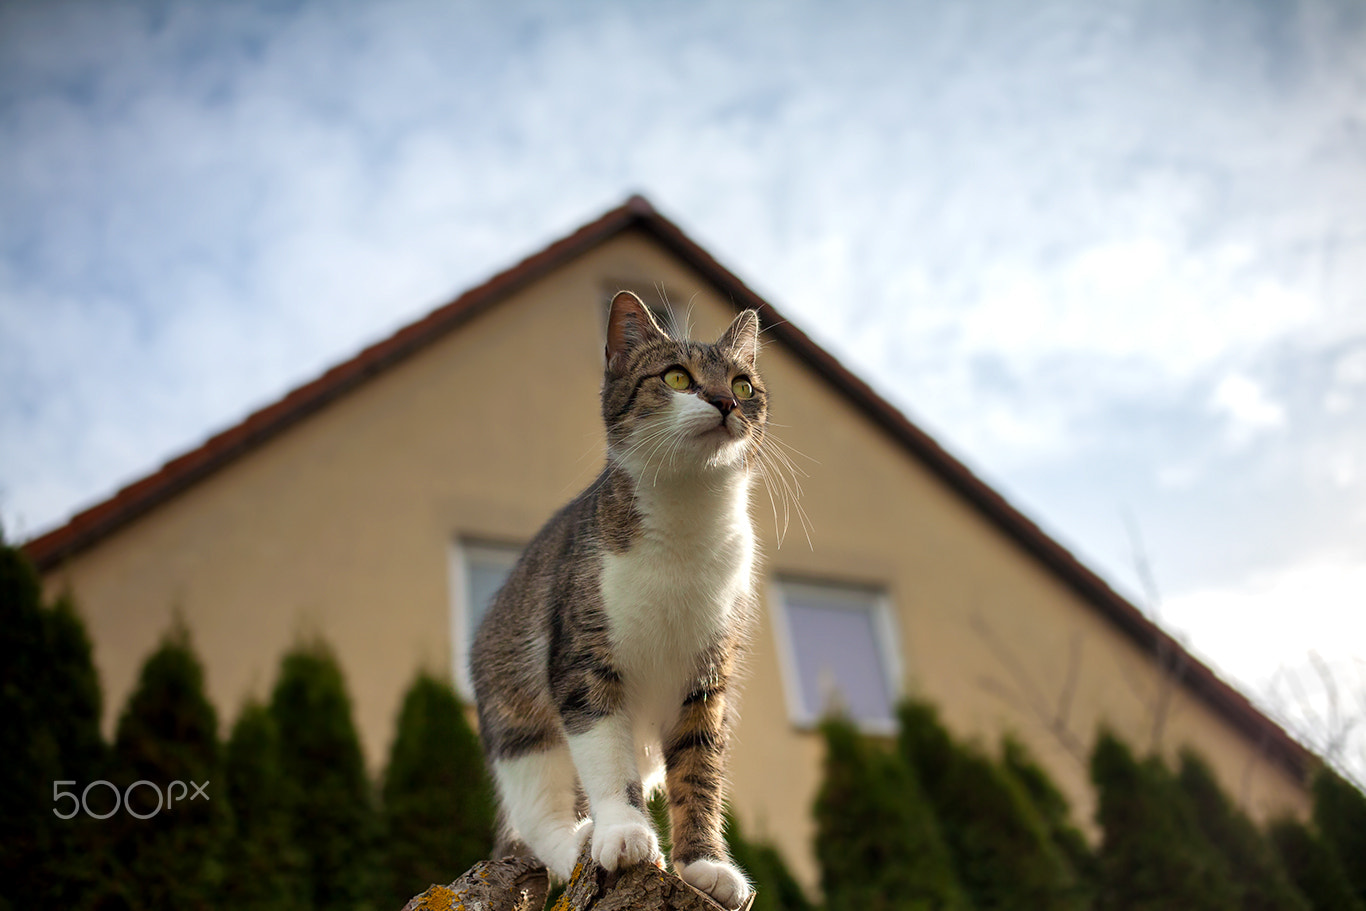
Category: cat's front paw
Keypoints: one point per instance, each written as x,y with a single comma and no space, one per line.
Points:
722,881
559,849
625,844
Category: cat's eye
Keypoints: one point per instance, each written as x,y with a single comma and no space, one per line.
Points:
677,378
742,388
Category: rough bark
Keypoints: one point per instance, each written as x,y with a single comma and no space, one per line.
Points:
510,884
521,884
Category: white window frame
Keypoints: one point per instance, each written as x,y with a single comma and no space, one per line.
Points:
463,550
888,647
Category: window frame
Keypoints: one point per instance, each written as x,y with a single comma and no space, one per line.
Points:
887,645
462,553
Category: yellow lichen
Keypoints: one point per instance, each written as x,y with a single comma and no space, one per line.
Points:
439,898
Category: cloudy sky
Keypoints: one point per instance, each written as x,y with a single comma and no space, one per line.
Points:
1112,254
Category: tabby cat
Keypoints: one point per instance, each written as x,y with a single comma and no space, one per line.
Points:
608,659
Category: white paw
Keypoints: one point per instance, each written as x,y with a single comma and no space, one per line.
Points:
625,844
723,882
561,852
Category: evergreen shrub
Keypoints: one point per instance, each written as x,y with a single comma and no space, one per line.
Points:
438,803
1055,812
877,841
170,844
265,870
1000,846
1153,854
777,888
329,798
1340,817
1258,877
1314,867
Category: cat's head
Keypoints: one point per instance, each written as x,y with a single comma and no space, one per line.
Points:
677,406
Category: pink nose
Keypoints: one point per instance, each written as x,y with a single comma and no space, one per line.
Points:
724,403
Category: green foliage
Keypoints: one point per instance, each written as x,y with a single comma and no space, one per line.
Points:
167,733
329,799
657,808
1000,845
1314,867
1154,855
1053,809
777,888
73,702
877,842
1340,815
1258,877
437,798
27,826
49,732
265,869
72,706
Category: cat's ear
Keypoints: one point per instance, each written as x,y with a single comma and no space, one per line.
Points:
629,324
741,338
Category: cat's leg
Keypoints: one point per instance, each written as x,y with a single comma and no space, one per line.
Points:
605,756
694,761
540,791
591,699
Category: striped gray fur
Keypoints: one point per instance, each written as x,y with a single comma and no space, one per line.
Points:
635,595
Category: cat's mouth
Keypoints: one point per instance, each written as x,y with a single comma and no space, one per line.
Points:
720,430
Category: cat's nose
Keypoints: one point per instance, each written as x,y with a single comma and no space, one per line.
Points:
724,404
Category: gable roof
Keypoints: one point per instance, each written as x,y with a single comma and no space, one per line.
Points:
92,525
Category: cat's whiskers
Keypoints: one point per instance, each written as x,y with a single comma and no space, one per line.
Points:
592,448
659,436
780,471
672,441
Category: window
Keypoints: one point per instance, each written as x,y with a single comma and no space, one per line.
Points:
478,570
838,646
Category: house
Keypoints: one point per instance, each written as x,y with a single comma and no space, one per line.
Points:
380,505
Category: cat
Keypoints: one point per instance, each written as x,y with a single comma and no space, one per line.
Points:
609,658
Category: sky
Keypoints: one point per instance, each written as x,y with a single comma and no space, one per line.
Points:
1110,253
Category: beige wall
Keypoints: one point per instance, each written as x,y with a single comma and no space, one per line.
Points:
344,526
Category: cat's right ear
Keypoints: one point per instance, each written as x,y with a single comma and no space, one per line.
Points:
629,324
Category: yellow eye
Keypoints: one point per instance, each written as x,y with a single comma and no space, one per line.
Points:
677,378
742,388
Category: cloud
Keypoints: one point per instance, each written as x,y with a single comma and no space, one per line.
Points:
1276,618
1246,406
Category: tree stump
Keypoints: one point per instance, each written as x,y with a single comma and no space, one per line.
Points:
510,884
521,884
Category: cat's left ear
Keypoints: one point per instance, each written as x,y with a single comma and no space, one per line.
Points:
742,337
629,324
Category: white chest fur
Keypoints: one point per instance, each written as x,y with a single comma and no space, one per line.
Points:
673,594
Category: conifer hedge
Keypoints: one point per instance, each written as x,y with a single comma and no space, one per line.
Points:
168,841
1258,877
438,801
265,869
49,732
1314,867
1055,813
777,888
1340,816
877,842
1000,846
328,796
1153,854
